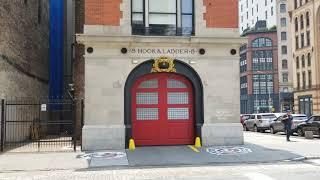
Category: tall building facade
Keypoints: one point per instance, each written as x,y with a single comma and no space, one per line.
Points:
285,60
259,80
275,14
24,48
252,11
153,73
305,27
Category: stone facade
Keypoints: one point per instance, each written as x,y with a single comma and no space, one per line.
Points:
285,62
107,69
24,48
305,18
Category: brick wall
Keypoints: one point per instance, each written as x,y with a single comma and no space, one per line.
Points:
221,13
103,12
24,48
273,37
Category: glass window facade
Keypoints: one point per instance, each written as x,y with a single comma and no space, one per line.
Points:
261,42
163,18
262,60
263,84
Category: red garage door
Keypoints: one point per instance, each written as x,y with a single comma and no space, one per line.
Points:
162,110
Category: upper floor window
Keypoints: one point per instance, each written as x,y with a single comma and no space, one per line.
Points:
284,64
266,15
284,50
302,40
39,11
285,77
303,80
283,8
163,18
283,22
283,36
297,42
307,19
296,24
295,4
262,60
309,59
309,79
301,22
262,42
298,80
308,38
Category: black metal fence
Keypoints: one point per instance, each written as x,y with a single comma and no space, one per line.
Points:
38,125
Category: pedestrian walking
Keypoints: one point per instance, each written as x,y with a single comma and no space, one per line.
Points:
287,120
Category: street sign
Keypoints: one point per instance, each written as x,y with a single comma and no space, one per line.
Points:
43,107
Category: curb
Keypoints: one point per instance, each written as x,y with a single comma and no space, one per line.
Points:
303,158
312,157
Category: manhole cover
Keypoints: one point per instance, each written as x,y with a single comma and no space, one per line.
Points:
105,155
228,150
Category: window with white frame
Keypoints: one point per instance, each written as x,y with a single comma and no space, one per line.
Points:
285,77
283,8
283,36
270,83
283,22
261,42
256,84
163,18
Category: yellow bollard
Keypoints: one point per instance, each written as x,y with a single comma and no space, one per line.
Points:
197,143
132,145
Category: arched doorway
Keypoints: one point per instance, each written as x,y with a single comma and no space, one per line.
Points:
185,73
162,110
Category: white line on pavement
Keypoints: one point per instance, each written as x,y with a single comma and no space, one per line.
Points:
257,176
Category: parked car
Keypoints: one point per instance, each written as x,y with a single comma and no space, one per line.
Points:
312,124
278,126
244,117
259,122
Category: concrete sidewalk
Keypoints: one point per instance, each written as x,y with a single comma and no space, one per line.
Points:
258,148
42,161
142,156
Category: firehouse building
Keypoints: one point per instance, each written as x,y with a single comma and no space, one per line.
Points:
161,73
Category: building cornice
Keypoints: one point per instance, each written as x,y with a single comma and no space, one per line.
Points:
89,39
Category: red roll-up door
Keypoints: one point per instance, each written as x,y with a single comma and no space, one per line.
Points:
162,110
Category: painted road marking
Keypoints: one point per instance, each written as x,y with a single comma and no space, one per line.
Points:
228,150
257,176
193,148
